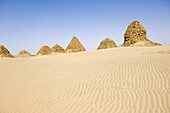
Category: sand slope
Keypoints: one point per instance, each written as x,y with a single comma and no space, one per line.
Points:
118,80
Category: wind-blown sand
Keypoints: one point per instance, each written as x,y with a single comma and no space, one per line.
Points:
118,80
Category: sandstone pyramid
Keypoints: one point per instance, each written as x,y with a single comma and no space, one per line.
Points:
75,46
23,53
45,50
4,52
135,35
58,49
107,43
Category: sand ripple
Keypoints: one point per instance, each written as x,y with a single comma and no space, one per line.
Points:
106,81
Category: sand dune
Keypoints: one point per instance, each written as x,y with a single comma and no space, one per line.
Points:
118,80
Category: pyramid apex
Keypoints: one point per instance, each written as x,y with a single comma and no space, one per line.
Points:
74,37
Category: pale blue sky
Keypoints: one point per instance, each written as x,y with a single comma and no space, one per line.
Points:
30,24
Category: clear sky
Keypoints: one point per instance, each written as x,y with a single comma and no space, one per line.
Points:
30,24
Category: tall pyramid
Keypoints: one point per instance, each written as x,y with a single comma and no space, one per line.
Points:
135,35
4,52
45,50
58,49
75,46
107,43
23,53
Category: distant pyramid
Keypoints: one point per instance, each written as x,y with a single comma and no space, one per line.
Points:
45,50
135,35
107,43
75,46
23,53
4,52
58,49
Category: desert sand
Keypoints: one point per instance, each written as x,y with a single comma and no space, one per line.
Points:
116,80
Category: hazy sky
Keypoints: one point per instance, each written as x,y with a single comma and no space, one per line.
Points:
30,24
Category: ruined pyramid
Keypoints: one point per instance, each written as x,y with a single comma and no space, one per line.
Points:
4,52
75,46
23,53
45,50
58,49
135,35
107,43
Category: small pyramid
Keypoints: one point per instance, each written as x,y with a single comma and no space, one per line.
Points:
23,53
4,52
75,46
107,43
45,50
136,33
58,49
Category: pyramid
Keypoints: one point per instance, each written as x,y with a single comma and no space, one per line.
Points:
58,49
45,50
107,43
4,52
136,33
23,53
75,46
